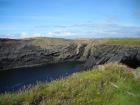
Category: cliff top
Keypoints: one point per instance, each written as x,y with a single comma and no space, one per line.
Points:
43,41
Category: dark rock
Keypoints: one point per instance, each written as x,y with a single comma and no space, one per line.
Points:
22,53
127,55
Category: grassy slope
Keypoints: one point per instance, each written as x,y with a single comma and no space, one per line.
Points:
110,84
44,41
121,41
60,41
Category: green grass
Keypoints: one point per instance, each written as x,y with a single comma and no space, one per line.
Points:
121,41
60,41
110,84
45,41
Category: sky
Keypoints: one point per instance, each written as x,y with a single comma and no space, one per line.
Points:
69,18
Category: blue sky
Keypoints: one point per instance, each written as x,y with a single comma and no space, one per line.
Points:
69,18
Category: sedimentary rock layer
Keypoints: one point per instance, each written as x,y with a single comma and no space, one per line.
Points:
33,52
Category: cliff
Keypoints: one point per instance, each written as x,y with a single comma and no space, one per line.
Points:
32,52
39,51
103,54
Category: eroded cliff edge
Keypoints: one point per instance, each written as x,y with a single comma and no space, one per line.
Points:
103,54
38,51
32,52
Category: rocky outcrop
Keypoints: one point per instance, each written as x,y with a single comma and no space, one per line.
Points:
102,54
20,53
25,53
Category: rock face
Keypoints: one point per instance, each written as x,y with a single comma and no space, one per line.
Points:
19,53
128,55
23,53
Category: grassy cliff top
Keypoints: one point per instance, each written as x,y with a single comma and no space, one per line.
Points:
44,41
61,41
121,41
109,84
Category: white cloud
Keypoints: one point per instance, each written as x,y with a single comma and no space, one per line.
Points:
107,30
28,35
13,36
63,34
86,30
60,32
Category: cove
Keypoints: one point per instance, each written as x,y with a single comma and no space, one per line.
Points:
13,80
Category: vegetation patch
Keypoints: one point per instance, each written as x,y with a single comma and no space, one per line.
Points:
109,84
121,41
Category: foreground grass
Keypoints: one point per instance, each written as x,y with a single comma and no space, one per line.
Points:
110,84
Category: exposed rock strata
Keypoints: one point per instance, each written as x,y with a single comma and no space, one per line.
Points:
22,53
128,55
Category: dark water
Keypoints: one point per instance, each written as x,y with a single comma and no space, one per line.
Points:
13,80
